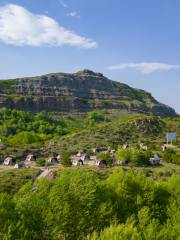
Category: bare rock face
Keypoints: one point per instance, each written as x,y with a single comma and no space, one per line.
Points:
79,92
47,174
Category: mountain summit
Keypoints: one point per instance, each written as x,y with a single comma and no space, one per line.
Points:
77,92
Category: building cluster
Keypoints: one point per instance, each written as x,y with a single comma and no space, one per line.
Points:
81,158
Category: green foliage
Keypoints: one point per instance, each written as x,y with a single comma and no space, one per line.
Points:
124,155
65,159
134,156
141,158
24,138
12,180
170,155
41,162
79,205
19,127
106,157
131,130
96,117
117,232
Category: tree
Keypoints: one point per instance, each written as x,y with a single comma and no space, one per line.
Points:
141,158
124,155
96,117
106,157
65,159
170,155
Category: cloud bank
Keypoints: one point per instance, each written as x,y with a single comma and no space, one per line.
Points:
145,67
20,27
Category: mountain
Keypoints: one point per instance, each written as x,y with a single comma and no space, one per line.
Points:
78,92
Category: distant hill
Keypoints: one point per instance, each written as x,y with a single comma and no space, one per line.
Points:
79,92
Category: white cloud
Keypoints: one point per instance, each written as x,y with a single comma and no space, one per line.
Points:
18,26
145,67
63,4
73,14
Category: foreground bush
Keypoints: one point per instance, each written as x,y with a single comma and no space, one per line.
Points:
78,205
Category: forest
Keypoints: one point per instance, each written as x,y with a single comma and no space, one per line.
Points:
84,204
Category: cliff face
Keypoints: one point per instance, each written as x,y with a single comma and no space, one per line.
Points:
79,92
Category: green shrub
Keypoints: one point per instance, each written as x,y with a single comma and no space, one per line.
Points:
65,159
106,157
41,162
170,155
134,156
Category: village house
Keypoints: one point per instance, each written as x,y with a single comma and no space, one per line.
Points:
80,153
19,165
101,163
100,149
164,147
85,157
76,163
125,146
155,160
53,160
143,146
31,158
9,161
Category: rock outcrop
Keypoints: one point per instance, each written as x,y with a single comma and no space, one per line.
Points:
79,92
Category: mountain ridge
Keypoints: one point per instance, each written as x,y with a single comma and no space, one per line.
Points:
82,91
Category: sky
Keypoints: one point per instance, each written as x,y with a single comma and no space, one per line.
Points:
132,41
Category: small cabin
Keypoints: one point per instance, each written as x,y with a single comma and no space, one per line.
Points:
143,146
19,165
155,160
53,160
76,163
101,163
9,161
164,148
80,153
31,158
125,146
85,157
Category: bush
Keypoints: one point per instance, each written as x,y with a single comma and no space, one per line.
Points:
66,160
141,158
134,156
171,156
124,155
24,138
106,157
41,162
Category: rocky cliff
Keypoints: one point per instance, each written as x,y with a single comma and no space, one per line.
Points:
79,92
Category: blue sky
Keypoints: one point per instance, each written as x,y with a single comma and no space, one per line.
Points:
132,41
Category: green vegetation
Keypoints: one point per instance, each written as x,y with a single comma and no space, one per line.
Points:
65,159
106,157
12,180
134,156
172,156
133,129
79,204
23,132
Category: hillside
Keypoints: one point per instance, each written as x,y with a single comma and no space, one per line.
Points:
23,133
133,130
79,92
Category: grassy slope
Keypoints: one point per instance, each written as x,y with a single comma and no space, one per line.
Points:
132,129
11,180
